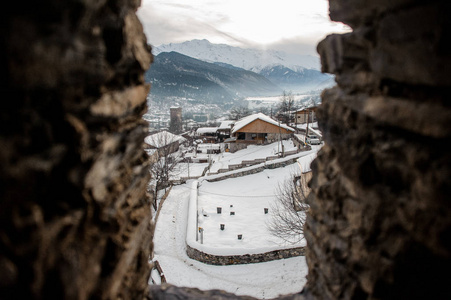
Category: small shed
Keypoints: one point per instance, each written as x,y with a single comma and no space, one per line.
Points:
305,115
225,129
207,134
164,141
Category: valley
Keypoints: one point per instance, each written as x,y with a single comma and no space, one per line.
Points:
208,80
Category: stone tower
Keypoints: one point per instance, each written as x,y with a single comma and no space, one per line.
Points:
176,119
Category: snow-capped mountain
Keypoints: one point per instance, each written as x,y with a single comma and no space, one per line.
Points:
176,75
298,79
298,73
249,59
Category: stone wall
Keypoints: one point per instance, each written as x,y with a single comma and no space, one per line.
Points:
258,161
252,169
223,260
380,215
74,214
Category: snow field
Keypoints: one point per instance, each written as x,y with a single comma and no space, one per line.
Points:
223,160
263,281
248,196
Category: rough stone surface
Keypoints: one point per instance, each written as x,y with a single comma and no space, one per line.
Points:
170,292
380,217
224,260
74,214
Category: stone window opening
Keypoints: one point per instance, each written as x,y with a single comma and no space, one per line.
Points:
74,223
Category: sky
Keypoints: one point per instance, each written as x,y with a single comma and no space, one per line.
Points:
293,26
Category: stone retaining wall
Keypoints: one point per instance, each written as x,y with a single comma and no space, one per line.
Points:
242,259
255,170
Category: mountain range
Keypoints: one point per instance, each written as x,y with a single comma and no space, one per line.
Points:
215,73
248,59
176,75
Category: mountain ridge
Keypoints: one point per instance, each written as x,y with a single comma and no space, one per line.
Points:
177,75
246,58
300,72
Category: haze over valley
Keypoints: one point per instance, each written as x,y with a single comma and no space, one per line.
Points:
210,79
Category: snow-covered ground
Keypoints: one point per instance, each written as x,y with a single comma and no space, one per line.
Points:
248,195
264,280
223,160
188,170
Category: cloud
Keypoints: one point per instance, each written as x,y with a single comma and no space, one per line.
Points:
295,45
179,27
291,24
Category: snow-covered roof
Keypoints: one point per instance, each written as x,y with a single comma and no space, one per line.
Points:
316,132
226,124
305,108
310,125
249,119
203,130
150,152
163,138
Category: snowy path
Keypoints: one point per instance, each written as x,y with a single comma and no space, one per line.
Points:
263,280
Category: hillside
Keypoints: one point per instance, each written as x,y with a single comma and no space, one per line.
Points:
176,75
297,80
249,59
298,73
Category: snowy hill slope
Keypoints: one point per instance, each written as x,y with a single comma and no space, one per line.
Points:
177,75
299,80
289,71
249,59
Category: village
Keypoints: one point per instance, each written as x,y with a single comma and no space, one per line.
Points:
218,189
194,153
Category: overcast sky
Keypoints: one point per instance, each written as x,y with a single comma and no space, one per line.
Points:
291,25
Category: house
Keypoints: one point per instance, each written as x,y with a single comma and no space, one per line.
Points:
162,142
258,129
224,130
303,180
306,114
207,134
303,190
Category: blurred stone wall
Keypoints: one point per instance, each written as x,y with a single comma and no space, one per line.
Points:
74,214
380,226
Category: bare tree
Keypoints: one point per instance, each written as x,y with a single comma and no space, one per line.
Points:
239,112
289,209
165,162
285,106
